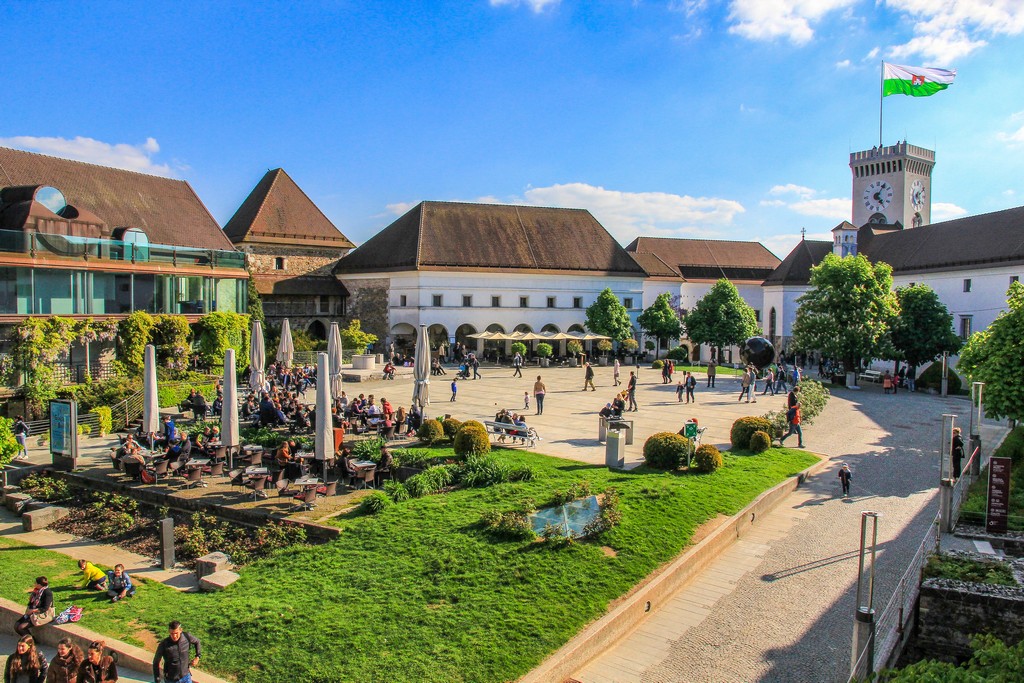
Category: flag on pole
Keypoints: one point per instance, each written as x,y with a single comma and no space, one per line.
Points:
916,81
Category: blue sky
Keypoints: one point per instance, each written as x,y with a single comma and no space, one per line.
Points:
729,120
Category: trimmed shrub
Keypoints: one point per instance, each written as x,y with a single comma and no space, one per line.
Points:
813,398
375,503
396,491
450,426
744,428
707,459
760,442
430,432
931,378
518,347
679,353
657,365
665,450
104,418
471,439
544,350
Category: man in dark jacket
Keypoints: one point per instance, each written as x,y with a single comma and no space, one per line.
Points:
173,652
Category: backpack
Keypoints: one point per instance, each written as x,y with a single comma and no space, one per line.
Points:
146,477
791,414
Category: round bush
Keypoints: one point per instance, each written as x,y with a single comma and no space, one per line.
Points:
760,441
679,353
744,428
665,450
707,459
450,425
932,379
519,347
471,439
658,364
430,432
375,503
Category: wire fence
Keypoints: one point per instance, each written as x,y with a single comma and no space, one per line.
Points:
962,486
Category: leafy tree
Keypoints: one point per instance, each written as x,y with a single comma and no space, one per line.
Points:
660,320
519,347
721,317
609,317
354,338
848,311
993,356
924,328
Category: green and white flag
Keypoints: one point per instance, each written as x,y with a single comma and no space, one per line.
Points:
916,81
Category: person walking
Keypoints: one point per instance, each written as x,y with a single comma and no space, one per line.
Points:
615,373
780,379
844,478
957,453
173,653
538,393
27,663
712,371
690,384
769,383
21,433
793,417
64,668
98,667
526,400
679,391
588,378
475,362
745,384
455,391
517,363
631,389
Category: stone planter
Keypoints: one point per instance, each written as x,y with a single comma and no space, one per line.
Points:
628,360
364,361
545,362
602,361
573,363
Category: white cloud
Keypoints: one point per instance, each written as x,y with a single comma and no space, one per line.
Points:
872,54
119,155
844,64
1013,136
945,30
537,6
836,209
781,245
400,208
791,188
946,212
787,19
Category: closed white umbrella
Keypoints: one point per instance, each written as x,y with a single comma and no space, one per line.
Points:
150,403
421,370
229,412
285,348
334,361
257,357
324,438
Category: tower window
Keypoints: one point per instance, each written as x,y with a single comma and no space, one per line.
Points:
628,302
524,302
496,301
967,284
280,263
403,300
966,323
1014,278
467,301
577,302
551,302
438,300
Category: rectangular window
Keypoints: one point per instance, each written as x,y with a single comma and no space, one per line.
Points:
438,300
551,302
966,323
1014,278
577,302
279,263
967,284
467,301
757,314
496,301
524,302
325,305
403,300
628,302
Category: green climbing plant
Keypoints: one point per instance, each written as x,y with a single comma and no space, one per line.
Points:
172,336
133,333
38,343
216,332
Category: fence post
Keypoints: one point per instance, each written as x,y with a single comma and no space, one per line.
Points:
946,505
864,618
977,415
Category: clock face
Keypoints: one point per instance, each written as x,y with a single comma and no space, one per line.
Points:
917,195
877,195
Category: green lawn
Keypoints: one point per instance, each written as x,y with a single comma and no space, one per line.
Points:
420,593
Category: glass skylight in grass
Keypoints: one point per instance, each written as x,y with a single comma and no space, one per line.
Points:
572,517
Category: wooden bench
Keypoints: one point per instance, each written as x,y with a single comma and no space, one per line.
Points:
499,431
871,376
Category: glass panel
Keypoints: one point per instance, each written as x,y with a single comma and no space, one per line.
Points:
111,293
53,292
9,291
190,293
51,198
572,517
226,297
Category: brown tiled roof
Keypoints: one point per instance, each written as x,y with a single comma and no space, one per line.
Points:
168,210
654,266
277,210
795,269
492,236
709,259
312,285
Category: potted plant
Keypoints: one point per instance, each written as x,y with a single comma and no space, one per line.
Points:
604,346
544,352
649,345
574,348
520,348
630,346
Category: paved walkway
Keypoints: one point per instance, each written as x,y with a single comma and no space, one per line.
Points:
778,605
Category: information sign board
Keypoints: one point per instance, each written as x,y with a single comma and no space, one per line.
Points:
998,495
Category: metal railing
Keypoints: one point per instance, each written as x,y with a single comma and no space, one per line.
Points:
891,624
961,487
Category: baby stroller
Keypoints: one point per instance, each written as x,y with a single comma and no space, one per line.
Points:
463,372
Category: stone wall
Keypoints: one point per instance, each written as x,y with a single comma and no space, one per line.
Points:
298,260
951,612
368,301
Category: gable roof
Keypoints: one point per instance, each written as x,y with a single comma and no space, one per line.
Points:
168,210
278,211
709,259
654,266
795,269
455,235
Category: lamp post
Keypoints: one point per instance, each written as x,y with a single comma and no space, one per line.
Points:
974,429
864,617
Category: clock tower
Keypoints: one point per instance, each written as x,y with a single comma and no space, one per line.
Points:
892,184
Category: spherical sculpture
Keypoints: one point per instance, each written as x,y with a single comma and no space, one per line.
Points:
758,351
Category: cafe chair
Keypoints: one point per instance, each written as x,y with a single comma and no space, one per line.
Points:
368,475
257,484
159,470
194,478
331,489
282,485
217,469
389,433
237,477
306,498
133,470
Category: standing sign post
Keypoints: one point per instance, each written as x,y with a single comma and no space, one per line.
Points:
64,434
998,495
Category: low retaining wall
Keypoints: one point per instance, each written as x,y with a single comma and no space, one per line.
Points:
599,636
950,612
129,656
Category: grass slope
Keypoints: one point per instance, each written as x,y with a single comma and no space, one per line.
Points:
420,593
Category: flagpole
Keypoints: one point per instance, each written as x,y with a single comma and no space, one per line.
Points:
881,89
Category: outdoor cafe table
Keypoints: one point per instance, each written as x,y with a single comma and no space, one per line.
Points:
197,462
307,481
256,471
363,464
